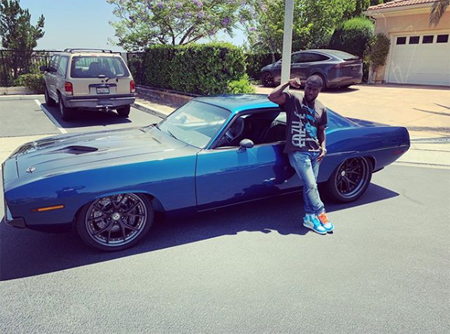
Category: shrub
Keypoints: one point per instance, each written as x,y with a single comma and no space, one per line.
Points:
352,36
240,86
378,50
256,61
203,69
34,82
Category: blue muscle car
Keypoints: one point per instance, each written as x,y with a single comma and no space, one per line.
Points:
211,152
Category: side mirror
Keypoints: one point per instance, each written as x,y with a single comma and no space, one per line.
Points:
245,144
43,68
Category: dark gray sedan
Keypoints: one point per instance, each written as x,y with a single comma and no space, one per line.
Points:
336,68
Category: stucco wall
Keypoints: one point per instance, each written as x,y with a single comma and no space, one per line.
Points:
409,23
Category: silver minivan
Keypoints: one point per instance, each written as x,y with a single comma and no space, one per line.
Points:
88,79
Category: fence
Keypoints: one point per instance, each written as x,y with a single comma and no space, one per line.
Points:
14,63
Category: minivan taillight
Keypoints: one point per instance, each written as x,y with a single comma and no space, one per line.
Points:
132,86
68,88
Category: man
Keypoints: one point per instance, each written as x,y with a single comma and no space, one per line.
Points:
306,144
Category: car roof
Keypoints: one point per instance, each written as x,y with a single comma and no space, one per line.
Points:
329,52
238,102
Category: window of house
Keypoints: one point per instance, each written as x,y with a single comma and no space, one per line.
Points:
442,39
427,39
414,40
401,40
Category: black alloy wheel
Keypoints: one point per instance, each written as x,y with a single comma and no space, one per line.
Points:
115,222
350,180
267,79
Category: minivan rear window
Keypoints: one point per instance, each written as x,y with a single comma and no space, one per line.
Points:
92,67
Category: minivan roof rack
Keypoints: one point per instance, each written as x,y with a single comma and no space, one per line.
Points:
72,50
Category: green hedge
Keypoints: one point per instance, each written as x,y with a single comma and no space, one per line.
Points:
352,36
34,82
203,69
256,61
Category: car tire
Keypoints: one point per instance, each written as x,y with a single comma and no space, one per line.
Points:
267,79
124,111
66,113
349,180
116,222
48,100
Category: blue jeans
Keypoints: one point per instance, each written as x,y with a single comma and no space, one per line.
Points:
307,168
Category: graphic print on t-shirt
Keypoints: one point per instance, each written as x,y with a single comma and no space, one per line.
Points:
304,129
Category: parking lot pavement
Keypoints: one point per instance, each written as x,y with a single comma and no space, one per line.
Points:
26,118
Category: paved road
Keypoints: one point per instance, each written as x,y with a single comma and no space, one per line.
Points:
249,269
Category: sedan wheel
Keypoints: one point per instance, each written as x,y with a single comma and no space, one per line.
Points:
350,180
115,222
267,79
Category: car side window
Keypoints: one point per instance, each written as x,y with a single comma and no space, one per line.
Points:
54,63
316,57
62,67
263,127
296,58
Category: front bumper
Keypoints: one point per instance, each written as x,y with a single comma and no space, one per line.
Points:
99,102
14,222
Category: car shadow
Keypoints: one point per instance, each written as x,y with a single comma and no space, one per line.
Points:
27,253
85,118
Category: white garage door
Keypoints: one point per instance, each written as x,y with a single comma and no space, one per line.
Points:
420,59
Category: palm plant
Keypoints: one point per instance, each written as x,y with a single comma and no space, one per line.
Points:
437,11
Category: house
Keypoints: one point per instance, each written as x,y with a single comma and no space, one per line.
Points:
419,53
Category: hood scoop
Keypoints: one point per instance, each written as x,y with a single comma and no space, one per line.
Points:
76,149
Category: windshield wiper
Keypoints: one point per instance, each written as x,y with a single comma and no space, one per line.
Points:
170,133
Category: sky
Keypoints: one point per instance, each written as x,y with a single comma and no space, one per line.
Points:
82,24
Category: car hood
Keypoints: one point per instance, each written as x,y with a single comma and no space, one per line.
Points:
93,150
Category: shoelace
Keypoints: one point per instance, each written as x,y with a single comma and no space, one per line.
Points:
323,218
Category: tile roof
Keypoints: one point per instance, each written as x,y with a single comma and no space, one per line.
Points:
400,3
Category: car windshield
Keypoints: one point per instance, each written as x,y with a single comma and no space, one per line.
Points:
93,66
195,123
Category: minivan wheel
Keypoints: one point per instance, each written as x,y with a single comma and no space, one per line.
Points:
48,100
124,111
66,113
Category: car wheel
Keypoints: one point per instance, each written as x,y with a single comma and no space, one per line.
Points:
115,222
267,79
48,100
350,180
66,113
124,111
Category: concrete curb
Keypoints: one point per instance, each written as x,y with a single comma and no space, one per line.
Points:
149,110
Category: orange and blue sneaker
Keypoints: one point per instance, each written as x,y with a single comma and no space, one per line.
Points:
327,225
310,221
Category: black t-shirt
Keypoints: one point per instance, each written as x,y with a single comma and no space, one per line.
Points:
302,123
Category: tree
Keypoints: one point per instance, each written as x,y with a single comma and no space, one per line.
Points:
314,21
16,30
437,11
18,34
176,22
